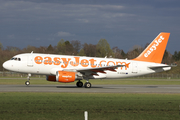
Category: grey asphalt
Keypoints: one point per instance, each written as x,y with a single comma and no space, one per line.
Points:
93,89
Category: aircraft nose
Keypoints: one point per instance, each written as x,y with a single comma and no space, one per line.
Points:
5,65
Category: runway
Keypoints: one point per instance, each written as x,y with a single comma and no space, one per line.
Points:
94,89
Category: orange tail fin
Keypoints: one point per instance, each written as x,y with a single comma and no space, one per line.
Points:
155,51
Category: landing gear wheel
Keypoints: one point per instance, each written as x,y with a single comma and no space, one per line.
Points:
79,84
28,78
87,85
27,83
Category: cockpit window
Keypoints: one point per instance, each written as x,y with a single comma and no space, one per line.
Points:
17,59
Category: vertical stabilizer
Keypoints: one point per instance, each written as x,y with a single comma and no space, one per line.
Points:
155,51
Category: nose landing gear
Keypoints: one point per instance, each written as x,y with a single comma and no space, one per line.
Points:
27,82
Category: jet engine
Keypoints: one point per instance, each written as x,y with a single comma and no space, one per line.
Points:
64,76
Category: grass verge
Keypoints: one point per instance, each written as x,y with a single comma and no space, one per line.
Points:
100,106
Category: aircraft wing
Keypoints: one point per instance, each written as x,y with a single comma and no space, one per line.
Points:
94,71
88,71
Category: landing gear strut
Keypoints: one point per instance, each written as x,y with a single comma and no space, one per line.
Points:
27,82
79,84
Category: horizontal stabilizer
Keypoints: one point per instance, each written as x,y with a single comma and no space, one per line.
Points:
159,66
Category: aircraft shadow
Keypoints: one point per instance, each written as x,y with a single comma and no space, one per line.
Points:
76,87
56,86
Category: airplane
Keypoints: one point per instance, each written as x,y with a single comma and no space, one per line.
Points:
66,68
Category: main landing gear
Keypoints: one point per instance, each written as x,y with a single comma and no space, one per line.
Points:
79,84
86,85
27,82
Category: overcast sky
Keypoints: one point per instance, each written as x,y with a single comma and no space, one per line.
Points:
123,23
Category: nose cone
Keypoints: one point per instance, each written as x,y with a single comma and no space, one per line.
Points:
5,65
11,66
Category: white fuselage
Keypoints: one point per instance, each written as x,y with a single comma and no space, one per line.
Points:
47,64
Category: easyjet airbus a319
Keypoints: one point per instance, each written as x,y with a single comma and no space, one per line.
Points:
65,68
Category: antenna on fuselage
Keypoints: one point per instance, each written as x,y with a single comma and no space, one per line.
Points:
32,52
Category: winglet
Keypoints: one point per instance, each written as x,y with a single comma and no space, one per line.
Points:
155,51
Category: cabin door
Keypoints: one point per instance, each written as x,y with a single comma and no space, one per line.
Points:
135,67
30,60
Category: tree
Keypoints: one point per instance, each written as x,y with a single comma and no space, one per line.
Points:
123,54
103,49
1,46
76,46
61,46
175,56
167,57
29,49
65,47
118,53
68,48
50,49
81,53
12,49
135,52
89,50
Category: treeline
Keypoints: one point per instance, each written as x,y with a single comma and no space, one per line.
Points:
74,47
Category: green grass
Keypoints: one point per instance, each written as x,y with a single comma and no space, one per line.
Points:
101,106
145,81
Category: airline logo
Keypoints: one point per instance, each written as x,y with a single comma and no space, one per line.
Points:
154,46
76,61
67,76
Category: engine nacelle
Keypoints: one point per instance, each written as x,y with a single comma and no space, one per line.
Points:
64,76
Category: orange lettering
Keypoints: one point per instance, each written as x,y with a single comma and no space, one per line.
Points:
76,63
101,62
47,61
110,62
84,62
66,62
119,63
127,65
92,63
56,61
38,59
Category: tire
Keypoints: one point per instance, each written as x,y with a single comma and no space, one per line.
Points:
27,83
87,85
79,84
